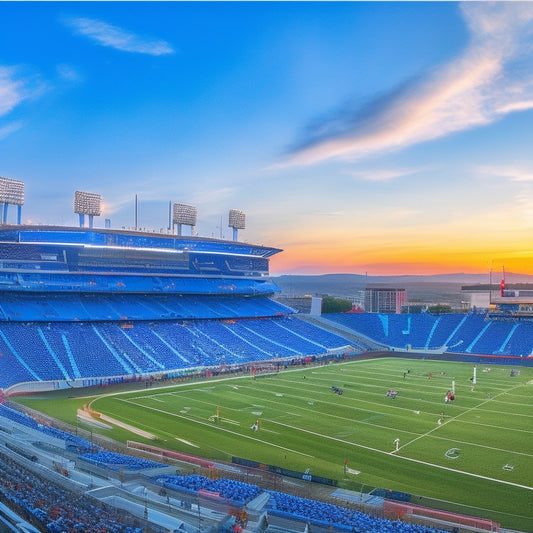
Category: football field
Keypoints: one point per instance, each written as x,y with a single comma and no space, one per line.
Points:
476,450
371,423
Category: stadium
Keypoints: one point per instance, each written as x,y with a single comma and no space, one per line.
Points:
151,382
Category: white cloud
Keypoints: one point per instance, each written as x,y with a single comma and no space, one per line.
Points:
108,35
383,174
15,88
516,106
491,78
12,90
9,129
514,173
523,210
68,73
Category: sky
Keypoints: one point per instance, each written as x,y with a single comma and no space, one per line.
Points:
379,138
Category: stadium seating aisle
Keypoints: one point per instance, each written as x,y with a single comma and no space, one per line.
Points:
18,369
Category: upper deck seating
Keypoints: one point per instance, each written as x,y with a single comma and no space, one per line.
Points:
97,307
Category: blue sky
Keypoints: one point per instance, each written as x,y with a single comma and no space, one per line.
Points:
359,137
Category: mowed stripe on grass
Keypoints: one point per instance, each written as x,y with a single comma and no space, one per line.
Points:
304,424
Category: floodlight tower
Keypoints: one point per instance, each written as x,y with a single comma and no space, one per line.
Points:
184,215
11,192
87,203
236,221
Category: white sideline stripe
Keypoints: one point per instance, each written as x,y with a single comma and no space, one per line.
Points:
123,425
186,442
405,458
219,428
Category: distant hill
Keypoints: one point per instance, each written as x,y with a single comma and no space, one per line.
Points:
434,288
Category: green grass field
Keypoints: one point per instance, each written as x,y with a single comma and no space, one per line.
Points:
475,456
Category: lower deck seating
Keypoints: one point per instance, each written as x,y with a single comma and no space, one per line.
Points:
293,507
70,350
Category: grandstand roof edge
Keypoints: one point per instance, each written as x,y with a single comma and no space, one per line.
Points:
20,229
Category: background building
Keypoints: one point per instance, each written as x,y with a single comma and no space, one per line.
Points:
384,300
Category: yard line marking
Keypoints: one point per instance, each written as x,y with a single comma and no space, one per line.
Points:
513,403
220,429
493,426
450,420
327,402
481,446
403,458
500,412
351,420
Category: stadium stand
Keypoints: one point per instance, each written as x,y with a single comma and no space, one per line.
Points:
115,461
74,350
55,508
292,507
82,307
452,334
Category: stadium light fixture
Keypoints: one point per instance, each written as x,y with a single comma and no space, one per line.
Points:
237,221
184,215
87,203
11,193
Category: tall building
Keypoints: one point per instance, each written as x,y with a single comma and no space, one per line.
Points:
384,300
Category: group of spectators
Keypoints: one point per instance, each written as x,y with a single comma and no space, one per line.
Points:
54,508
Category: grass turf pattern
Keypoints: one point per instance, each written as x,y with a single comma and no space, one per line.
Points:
474,455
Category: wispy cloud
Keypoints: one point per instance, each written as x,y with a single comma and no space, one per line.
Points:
491,78
383,174
9,129
518,193
108,35
511,172
523,209
12,90
15,88
68,73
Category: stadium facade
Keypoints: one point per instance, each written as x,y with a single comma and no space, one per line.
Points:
37,259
